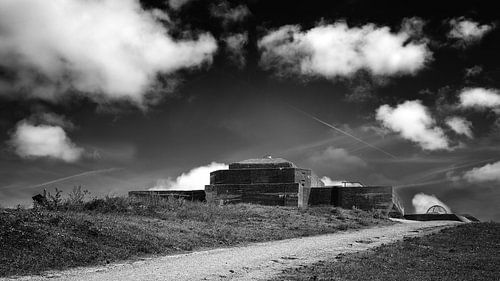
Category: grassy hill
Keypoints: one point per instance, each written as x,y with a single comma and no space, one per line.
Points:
467,252
75,233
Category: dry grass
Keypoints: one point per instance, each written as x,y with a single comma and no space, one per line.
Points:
117,228
466,252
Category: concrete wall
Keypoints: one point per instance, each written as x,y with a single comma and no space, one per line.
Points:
302,177
280,194
250,176
290,187
314,196
267,186
191,195
365,198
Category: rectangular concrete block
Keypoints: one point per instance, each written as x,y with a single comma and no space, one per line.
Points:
253,176
281,194
190,195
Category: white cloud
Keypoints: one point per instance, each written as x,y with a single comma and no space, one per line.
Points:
235,44
489,172
336,50
468,31
34,141
460,126
107,49
335,160
422,202
414,122
480,98
194,179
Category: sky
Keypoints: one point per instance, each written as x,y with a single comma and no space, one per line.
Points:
120,95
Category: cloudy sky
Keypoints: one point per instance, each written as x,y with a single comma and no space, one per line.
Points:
117,95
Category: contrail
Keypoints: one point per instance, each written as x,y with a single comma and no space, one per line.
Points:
94,172
464,165
467,164
422,183
342,131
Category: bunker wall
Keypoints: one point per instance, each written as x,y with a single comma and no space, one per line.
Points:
365,198
251,176
190,195
280,194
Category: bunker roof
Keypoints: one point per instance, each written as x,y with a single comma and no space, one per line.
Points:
260,163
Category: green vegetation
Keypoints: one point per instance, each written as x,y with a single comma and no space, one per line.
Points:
466,252
60,233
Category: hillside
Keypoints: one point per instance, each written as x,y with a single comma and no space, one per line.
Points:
116,228
467,252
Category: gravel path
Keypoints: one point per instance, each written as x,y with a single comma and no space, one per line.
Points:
258,261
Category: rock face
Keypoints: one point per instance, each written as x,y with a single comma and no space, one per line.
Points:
276,181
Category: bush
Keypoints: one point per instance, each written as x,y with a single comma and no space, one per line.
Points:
48,201
76,197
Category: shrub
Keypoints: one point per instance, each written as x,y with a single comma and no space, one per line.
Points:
48,201
76,197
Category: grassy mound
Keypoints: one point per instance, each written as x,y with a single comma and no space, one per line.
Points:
466,252
117,228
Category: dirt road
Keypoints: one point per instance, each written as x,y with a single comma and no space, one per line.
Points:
258,261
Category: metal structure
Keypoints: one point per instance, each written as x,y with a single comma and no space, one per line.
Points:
437,209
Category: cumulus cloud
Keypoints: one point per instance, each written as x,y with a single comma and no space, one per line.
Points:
413,121
488,172
480,98
467,31
336,160
422,202
194,179
235,44
108,49
460,126
35,141
337,50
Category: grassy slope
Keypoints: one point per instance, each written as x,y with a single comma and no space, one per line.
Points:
467,252
109,230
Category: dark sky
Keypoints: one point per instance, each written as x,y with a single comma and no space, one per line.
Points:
236,103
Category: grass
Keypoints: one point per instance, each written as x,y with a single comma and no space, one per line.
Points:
466,252
76,233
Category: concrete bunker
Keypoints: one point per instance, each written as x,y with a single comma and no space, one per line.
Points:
276,181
